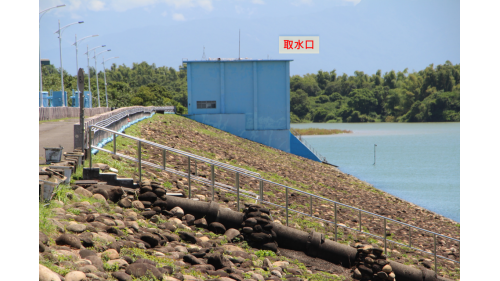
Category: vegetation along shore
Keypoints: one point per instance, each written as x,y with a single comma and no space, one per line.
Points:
429,95
317,131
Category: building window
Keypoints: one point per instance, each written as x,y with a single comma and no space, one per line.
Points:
205,104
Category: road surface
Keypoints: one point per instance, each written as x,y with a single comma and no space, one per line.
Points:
53,134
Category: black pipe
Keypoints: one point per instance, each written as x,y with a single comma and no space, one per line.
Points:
313,244
211,211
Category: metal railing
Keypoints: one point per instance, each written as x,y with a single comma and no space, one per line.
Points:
248,194
304,142
163,167
120,116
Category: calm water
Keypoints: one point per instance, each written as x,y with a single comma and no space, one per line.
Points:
417,162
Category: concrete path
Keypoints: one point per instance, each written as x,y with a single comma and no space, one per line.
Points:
53,134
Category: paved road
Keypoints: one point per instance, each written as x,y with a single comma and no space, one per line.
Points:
53,134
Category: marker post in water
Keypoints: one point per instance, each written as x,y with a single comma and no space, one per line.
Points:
374,146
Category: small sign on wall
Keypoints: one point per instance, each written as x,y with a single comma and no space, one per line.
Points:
299,44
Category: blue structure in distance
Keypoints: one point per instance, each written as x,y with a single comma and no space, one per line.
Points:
59,99
75,99
247,98
45,99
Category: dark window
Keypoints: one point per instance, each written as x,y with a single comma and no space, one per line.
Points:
205,104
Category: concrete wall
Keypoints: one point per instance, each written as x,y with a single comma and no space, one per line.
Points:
50,113
298,148
235,124
252,98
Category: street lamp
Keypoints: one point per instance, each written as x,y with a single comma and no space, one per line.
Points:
76,45
97,78
41,13
88,64
106,84
59,31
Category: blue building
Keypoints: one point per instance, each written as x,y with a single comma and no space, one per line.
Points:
247,98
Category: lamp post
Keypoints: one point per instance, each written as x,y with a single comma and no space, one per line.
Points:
97,78
88,64
106,84
41,13
59,31
76,45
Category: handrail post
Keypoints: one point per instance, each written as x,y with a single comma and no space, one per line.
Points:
335,217
195,168
360,221
410,237
435,254
114,143
90,147
385,236
140,164
164,159
189,177
261,190
311,204
238,191
286,207
213,182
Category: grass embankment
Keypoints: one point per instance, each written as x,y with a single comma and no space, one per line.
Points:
294,171
317,131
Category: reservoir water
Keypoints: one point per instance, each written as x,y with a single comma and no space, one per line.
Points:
417,162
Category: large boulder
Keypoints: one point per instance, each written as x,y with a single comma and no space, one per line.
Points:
151,239
143,269
70,240
217,227
87,253
75,276
82,191
45,274
121,276
148,196
125,203
218,261
96,261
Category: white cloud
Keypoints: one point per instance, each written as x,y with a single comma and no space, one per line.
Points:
178,17
206,4
355,2
258,2
96,5
123,5
164,14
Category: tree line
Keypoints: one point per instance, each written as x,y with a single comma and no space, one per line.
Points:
429,95
141,84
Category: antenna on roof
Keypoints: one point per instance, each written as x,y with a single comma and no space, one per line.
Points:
203,57
239,43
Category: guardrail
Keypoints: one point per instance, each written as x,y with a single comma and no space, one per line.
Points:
303,141
190,157
108,118
239,192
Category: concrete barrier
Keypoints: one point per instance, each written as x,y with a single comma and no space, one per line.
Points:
51,113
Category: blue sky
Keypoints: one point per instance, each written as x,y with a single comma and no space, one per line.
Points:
363,35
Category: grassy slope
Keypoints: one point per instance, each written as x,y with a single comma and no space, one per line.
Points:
294,171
